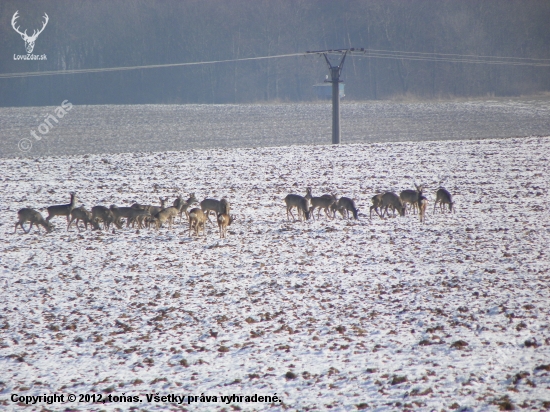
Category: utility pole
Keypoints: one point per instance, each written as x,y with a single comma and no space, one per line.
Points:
335,72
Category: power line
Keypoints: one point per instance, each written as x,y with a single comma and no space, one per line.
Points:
150,66
442,57
368,53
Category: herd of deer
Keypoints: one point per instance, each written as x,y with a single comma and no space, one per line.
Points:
156,216
307,204
143,215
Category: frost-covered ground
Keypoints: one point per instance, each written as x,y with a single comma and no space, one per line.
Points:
339,314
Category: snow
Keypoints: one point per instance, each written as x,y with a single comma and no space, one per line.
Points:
347,306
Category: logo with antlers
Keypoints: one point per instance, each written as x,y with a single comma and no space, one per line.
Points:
29,40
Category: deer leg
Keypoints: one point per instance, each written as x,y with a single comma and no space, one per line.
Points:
208,216
289,210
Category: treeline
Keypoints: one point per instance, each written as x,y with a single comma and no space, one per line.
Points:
84,34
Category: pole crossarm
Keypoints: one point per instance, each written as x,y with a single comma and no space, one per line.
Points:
352,49
335,71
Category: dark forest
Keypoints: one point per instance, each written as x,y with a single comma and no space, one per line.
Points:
101,34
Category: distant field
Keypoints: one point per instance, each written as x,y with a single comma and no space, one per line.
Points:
336,314
144,128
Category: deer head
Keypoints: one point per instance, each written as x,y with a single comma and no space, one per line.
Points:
29,40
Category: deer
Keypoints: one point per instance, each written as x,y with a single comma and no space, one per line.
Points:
298,202
224,220
391,199
411,196
164,215
133,215
422,205
142,217
444,198
376,204
34,217
153,210
345,204
323,202
104,214
29,40
62,210
197,219
182,205
80,213
216,206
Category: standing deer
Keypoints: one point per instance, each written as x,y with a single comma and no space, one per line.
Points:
153,210
29,40
323,202
411,196
345,204
444,198
391,199
165,215
104,214
224,220
142,217
182,205
30,215
62,210
216,206
197,219
298,202
80,213
376,204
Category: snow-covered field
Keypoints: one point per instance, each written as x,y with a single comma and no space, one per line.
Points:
326,314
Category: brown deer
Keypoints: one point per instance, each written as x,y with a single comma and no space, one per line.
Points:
153,210
376,204
216,206
298,202
165,215
34,217
62,210
346,205
197,220
182,205
81,214
443,197
411,197
224,220
391,199
322,202
105,215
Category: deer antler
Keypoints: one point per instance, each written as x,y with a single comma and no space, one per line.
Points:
34,33
13,19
